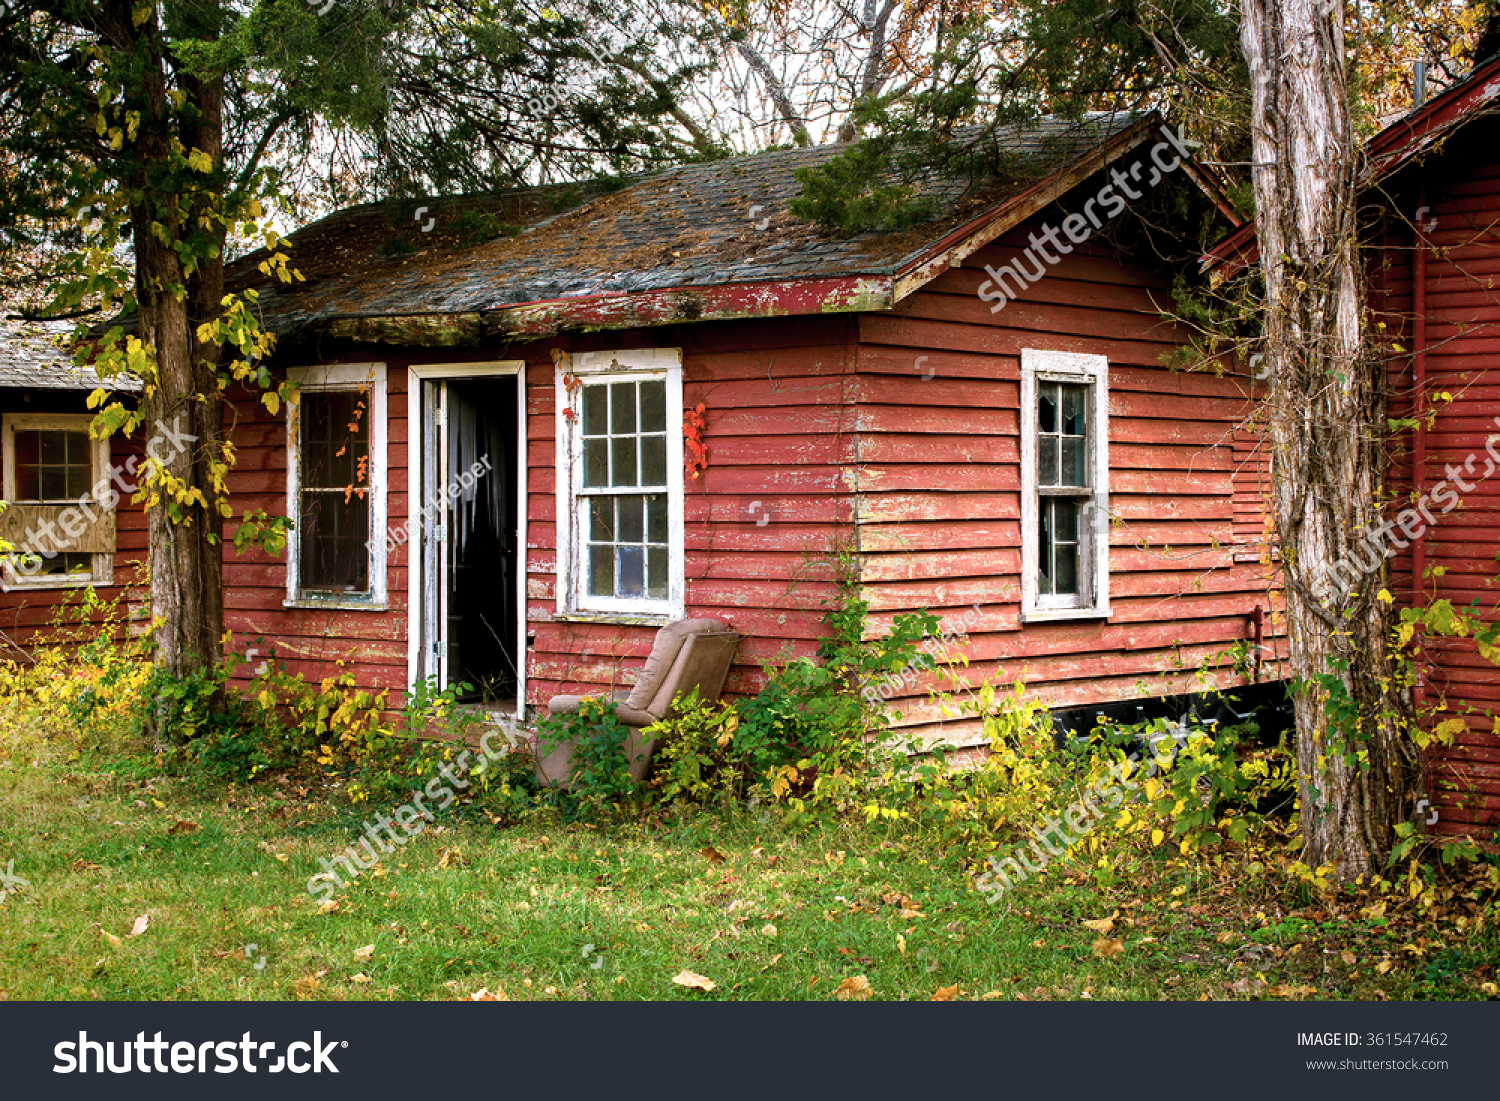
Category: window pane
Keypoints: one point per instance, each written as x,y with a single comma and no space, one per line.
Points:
334,557
656,573
602,571
632,519
632,571
28,483
1046,409
596,462
656,518
653,460
68,562
595,410
602,526
1074,410
335,434
654,406
621,407
1074,452
623,471
1067,570
54,448
80,480
54,483
1047,466
1044,544
1065,518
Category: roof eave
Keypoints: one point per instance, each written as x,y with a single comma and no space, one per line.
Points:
641,309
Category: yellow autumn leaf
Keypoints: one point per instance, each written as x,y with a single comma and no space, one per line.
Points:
1102,925
1157,837
1105,948
694,981
857,988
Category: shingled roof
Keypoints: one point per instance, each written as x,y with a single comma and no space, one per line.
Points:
33,361
694,242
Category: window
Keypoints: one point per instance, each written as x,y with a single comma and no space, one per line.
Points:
60,503
336,486
1064,485
620,523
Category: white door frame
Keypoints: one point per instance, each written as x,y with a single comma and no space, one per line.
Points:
418,375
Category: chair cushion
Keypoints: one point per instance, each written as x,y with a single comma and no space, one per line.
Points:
655,675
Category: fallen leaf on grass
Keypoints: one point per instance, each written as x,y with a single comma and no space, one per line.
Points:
181,826
1228,936
1105,948
114,941
712,855
140,925
328,906
1347,957
483,995
945,994
694,982
1489,990
309,983
1103,925
361,955
774,960
857,988
360,978
81,865
1296,993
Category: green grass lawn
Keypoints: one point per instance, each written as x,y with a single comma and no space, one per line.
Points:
554,910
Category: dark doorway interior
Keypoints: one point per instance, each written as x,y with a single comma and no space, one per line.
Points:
483,556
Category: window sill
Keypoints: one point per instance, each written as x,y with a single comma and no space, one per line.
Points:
630,619
337,604
43,586
1045,615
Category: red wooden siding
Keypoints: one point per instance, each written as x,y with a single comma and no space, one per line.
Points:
1461,350
939,484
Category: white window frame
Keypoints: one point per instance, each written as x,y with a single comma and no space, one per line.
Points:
103,565
573,599
324,379
1092,600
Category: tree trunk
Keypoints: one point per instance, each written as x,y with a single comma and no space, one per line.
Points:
184,408
1358,772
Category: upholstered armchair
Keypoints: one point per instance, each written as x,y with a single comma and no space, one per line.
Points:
687,654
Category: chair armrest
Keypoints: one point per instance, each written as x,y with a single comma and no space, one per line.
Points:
564,705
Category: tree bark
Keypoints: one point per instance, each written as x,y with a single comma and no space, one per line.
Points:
1358,772
184,409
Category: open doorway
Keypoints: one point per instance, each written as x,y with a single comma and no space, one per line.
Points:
468,548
